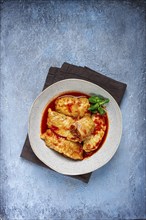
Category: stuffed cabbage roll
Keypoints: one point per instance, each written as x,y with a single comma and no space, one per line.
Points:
60,124
61,145
82,128
72,106
93,141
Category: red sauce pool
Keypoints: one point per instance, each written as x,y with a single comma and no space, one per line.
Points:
51,105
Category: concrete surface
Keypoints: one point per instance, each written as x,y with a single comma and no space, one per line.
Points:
108,36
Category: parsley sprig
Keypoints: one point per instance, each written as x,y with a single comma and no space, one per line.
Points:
97,103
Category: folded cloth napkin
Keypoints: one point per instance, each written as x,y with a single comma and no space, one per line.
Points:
115,88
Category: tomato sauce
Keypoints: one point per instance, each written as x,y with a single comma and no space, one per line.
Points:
51,105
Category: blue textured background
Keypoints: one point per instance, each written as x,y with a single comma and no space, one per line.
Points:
108,36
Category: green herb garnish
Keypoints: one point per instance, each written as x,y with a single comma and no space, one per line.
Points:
97,104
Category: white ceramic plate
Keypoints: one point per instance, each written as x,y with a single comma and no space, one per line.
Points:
56,161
